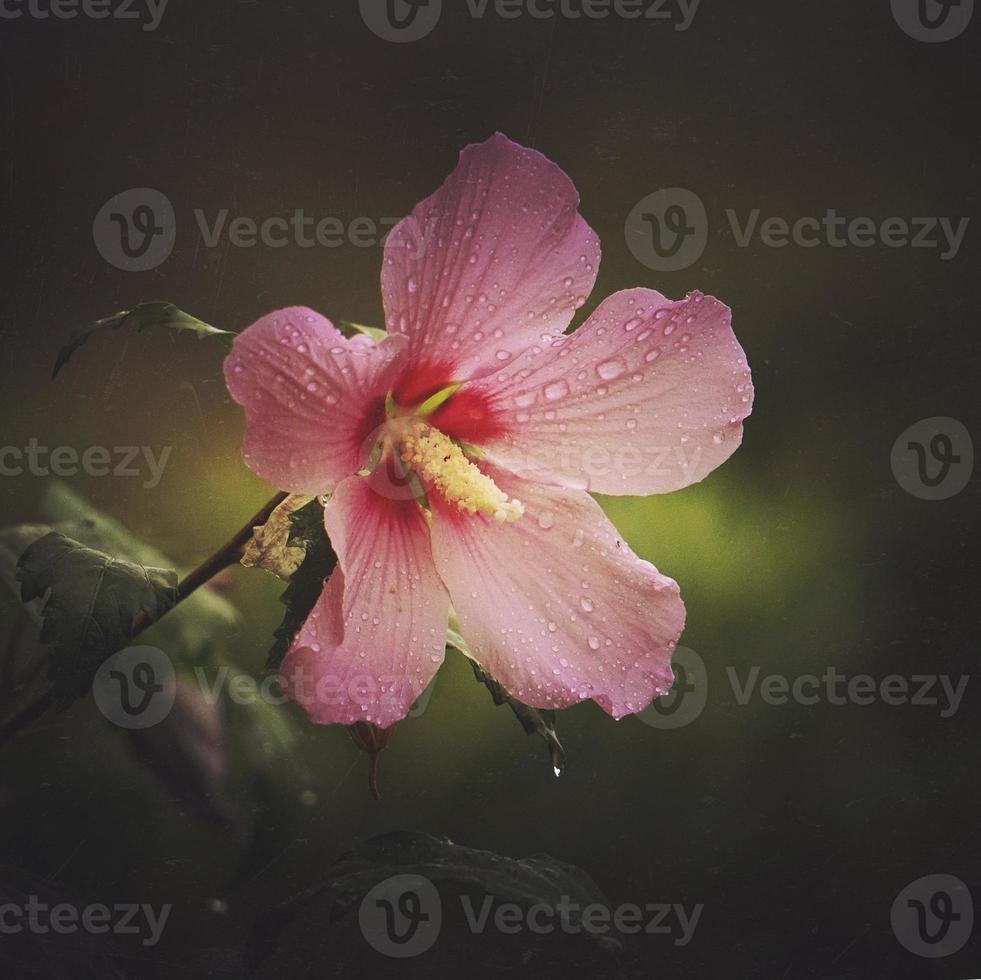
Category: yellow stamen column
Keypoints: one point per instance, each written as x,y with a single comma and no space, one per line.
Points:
440,462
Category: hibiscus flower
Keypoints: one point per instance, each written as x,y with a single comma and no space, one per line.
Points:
457,453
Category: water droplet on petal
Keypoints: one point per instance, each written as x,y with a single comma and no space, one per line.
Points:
610,370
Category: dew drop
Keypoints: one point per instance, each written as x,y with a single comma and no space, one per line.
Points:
610,370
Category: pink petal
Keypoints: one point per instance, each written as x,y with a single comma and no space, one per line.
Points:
647,396
378,633
311,397
555,605
497,256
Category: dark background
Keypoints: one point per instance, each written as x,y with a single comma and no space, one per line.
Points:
795,825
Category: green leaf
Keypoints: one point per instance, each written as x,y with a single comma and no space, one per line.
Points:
375,333
92,601
321,923
306,531
159,315
190,630
535,721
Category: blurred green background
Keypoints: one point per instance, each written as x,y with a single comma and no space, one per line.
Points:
796,825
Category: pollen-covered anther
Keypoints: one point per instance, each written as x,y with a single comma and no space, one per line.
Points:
440,462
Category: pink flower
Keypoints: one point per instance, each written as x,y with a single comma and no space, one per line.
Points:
458,452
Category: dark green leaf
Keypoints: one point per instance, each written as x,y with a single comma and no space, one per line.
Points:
535,721
306,531
190,630
323,925
91,603
159,315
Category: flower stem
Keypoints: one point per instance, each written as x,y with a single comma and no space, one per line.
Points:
228,554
